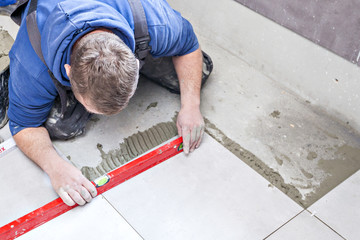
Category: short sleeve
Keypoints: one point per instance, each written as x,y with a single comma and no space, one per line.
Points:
30,98
175,37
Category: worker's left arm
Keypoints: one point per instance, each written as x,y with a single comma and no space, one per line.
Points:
190,122
176,37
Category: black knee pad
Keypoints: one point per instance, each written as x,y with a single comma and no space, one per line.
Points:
4,96
5,46
69,124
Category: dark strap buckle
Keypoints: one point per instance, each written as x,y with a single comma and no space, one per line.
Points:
142,47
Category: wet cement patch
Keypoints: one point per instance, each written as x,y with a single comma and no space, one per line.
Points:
275,114
130,148
254,162
339,163
312,150
346,162
152,105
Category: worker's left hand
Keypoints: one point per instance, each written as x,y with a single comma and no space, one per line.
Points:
190,125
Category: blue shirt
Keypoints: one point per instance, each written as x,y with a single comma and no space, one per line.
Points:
6,2
61,23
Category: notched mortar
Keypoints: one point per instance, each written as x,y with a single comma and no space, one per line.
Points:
130,148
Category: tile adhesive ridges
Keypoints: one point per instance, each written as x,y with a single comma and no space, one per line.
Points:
133,146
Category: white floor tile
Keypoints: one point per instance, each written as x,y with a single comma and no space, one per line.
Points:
96,220
210,194
340,208
24,187
304,226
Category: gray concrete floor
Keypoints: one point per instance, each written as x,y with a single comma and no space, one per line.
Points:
272,100
274,93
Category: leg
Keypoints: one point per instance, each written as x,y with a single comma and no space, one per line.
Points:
69,124
7,7
162,71
6,43
4,96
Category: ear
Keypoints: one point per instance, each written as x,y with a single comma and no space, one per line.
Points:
67,69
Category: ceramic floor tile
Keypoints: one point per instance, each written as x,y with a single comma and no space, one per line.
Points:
210,194
97,220
304,226
340,208
24,187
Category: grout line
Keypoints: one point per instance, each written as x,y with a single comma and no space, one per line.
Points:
283,224
326,224
122,216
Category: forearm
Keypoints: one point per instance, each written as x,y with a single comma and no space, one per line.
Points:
190,122
35,143
66,179
189,71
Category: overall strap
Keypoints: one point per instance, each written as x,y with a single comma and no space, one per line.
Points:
16,14
142,37
35,40
33,30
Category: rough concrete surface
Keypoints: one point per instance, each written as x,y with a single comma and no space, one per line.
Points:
319,151
336,162
280,128
278,53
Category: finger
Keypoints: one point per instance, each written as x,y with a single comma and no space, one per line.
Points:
179,129
186,140
65,197
90,187
76,197
197,134
201,136
85,194
193,139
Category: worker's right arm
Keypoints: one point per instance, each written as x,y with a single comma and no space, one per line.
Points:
67,180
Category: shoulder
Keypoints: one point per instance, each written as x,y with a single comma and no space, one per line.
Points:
159,12
29,83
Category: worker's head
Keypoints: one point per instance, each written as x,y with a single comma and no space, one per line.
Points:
104,72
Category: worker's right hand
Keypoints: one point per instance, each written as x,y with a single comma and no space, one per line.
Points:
69,183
